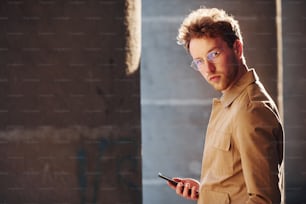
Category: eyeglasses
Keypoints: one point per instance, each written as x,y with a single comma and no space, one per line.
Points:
210,57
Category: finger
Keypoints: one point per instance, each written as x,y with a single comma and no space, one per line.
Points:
194,193
177,179
186,191
180,188
173,184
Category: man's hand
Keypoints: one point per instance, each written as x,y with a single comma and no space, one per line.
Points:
187,188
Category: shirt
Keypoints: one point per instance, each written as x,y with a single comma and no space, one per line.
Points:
243,147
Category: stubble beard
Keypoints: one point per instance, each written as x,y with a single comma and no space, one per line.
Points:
226,81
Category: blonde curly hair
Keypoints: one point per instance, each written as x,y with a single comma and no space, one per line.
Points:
209,22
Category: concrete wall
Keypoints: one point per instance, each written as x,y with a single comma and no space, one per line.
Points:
176,100
69,103
294,62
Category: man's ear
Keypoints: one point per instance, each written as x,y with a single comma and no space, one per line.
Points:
238,48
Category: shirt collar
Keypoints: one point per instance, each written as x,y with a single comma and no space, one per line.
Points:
230,95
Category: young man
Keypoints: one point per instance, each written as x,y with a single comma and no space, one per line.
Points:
244,141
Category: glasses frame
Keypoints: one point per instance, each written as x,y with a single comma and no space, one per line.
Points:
210,57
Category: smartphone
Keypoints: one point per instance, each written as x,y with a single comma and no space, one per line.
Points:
167,179
172,181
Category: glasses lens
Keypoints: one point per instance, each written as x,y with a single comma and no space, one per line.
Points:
213,55
194,66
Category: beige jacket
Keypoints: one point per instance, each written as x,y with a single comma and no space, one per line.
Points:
243,147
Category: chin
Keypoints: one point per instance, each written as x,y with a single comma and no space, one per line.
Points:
218,87
221,86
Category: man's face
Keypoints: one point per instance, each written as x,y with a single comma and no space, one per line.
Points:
217,62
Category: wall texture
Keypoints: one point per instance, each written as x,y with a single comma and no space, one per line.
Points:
294,62
69,102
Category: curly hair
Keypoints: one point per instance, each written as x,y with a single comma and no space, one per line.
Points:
208,22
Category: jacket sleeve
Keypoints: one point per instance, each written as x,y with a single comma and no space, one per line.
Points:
258,134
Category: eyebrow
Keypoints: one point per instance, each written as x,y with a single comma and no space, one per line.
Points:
210,50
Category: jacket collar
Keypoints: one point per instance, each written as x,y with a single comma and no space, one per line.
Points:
230,95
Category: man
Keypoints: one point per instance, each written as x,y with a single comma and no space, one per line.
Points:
244,140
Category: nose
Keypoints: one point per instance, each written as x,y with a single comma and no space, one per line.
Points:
208,67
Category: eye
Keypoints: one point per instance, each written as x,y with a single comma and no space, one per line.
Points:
198,62
212,55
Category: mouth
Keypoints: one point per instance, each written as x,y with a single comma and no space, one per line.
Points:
214,78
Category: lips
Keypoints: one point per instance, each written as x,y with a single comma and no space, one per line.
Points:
214,78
